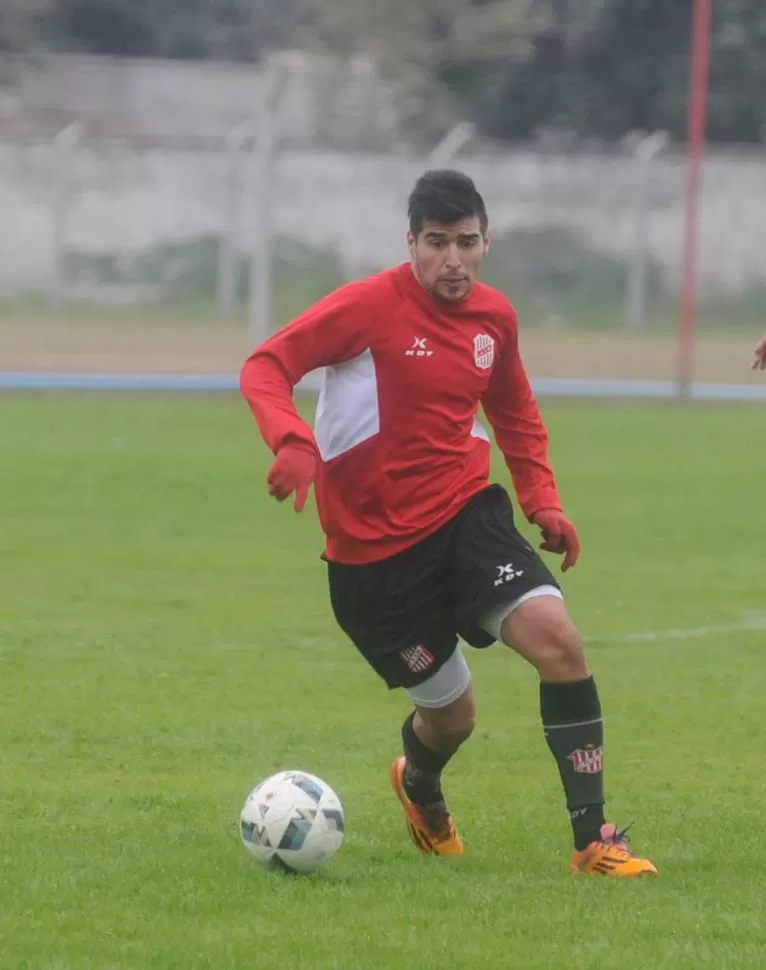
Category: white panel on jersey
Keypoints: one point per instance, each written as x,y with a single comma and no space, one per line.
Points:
347,411
477,431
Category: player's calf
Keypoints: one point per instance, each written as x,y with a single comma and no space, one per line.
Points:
431,737
442,721
542,632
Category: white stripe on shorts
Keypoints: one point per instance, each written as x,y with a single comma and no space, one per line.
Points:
493,621
449,682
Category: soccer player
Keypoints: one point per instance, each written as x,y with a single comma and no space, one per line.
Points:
759,355
420,548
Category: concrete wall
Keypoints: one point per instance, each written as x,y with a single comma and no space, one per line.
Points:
322,99
125,199
324,189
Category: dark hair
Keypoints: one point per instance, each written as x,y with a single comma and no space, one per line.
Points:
443,195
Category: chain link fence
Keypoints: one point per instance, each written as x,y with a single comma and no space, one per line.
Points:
176,251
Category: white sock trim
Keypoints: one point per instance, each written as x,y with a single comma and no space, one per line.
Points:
559,727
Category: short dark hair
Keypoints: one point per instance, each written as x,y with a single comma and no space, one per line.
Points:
443,195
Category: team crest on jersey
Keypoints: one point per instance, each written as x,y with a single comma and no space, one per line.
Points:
483,351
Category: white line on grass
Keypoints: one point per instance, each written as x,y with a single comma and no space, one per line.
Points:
749,622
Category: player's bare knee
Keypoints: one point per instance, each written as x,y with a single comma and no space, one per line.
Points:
450,726
542,632
561,655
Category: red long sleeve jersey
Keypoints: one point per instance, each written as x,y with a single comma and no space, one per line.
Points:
397,431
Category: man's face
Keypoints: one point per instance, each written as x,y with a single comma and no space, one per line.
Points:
446,257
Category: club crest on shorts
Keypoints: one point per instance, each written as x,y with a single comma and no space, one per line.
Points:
483,351
587,761
417,658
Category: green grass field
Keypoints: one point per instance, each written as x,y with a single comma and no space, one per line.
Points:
166,641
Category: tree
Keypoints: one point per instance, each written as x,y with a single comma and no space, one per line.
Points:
591,67
448,56
737,111
193,29
22,25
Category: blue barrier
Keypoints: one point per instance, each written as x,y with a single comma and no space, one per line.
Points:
545,387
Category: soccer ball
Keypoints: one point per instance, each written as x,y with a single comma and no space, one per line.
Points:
292,821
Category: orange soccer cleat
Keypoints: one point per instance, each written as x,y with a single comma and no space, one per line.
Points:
610,856
431,827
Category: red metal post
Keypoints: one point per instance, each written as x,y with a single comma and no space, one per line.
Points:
699,75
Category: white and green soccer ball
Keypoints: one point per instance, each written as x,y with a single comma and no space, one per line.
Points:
292,821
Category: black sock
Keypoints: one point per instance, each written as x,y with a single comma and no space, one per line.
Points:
422,774
574,730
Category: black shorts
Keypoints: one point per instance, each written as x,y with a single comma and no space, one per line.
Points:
405,613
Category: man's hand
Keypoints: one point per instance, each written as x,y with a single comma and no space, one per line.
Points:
559,536
759,355
294,470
